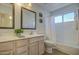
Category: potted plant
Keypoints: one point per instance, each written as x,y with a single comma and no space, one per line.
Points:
18,32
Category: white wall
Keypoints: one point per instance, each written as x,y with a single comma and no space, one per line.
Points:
39,26
47,27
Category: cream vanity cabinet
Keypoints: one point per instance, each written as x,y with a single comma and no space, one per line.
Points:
23,46
36,45
7,48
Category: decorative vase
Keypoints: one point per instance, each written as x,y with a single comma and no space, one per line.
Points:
18,34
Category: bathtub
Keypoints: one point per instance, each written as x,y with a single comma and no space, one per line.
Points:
69,49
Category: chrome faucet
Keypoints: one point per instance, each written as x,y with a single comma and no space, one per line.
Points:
31,32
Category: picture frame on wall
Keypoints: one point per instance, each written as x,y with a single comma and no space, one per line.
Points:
40,15
40,20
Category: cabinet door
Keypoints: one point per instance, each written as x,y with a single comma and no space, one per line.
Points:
21,43
21,51
6,48
21,47
41,46
33,48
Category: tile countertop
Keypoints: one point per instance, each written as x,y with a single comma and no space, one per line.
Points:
10,38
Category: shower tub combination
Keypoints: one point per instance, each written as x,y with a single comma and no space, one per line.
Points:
68,49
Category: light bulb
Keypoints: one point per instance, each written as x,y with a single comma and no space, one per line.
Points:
10,17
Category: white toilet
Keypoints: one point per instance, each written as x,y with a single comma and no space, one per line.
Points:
49,45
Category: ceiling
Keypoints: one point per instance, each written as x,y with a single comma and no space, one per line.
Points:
52,6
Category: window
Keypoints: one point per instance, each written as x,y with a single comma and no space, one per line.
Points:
68,17
65,18
58,19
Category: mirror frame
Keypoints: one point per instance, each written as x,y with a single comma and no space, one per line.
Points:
22,18
13,21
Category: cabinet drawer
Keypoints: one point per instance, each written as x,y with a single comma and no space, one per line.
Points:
6,52
20,43
34,39
6,46
21,50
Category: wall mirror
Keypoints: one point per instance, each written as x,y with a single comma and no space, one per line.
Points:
28,19
6,16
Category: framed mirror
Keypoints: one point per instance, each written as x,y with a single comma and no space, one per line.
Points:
28,19
6,16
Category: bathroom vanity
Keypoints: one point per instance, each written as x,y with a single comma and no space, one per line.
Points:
28,45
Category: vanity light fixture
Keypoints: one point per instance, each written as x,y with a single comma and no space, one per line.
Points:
27,4
20,4
30,4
